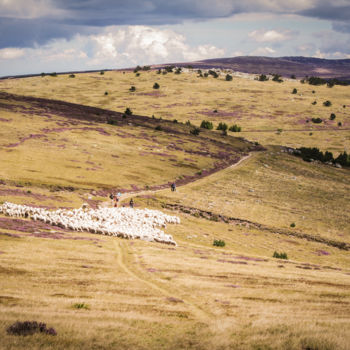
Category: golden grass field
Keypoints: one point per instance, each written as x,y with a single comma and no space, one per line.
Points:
141,295
261,108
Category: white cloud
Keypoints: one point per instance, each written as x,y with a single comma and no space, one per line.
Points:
146,45
262,51
114,47
270,35
11,53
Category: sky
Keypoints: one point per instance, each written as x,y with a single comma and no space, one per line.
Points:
72,35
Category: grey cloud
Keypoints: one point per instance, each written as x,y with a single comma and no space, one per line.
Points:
70,17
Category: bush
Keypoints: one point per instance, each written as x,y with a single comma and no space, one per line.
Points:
156,86
29,328
106,93
159,71
205,75
280,255
128,111
138,68
293,76
178,70
340,124
71,75
54,74
228,77
292,224
343,159
206,124
219,243
137,74
188,123
195,131
313,91
43,75
316,81
235,128
132,88
169,69
175,121
222,126
316,120
277,78
314,103
314,153
102,72
263,77
213,73
295,91
332,116
327,103
158,128
81,306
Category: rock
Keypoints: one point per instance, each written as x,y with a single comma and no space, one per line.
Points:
337,165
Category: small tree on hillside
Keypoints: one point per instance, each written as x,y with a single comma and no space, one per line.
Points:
222,126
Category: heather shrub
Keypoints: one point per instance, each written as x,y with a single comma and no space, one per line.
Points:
29,328
316,120
263,77
277,78
222,126
327,103
292,224
235,128
81,306
219,243
156,86
280,255
195,131
213,73
206,124
128,111
332,116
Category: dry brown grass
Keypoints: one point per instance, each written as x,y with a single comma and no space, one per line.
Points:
261,108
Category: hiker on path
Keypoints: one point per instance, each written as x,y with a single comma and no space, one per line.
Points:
131,203
117,198
173,187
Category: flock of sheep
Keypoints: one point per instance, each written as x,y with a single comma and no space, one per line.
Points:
121,222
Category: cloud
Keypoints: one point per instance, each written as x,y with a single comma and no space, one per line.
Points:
38,21
11,53
147,45
114,47
270,35
263,51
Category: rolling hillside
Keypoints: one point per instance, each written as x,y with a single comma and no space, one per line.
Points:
65,142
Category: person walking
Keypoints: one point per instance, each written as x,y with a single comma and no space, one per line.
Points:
131,203
173,187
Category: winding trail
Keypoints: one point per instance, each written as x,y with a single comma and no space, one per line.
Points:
128,195
197,312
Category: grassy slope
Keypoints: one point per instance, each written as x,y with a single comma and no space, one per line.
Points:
91,155
187,97
143,295
277,189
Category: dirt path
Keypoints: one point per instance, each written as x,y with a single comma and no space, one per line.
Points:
128,195
122,252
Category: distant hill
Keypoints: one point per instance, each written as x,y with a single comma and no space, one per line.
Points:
285,66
